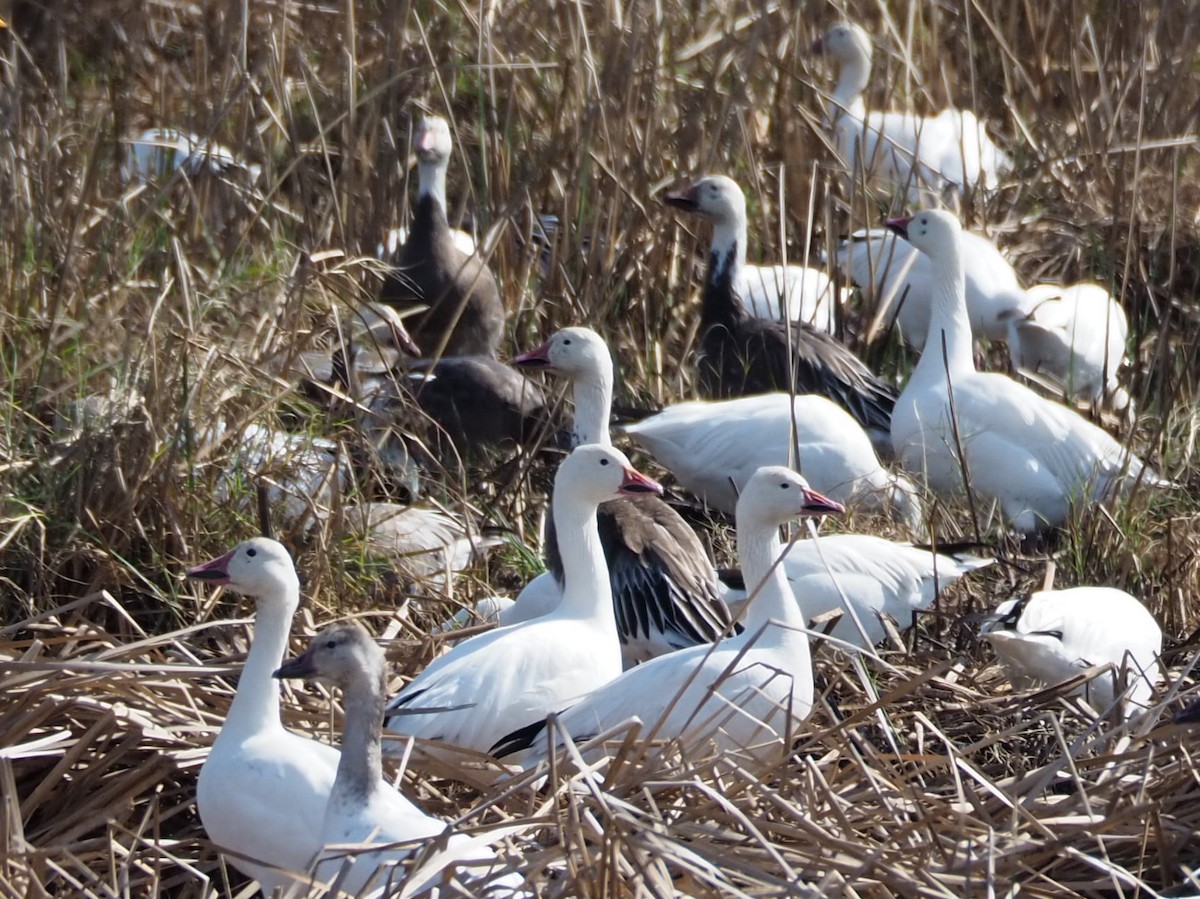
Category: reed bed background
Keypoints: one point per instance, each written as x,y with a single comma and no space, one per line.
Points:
136,316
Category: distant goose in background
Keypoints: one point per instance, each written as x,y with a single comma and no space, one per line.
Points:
742,355
1074,335
925,158
160,152
1053,635
713,448
664,587
898,279
262,791
492,683
363,808
465,314
876,576
741,698
1033,456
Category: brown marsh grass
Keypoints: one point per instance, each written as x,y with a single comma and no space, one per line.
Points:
172,305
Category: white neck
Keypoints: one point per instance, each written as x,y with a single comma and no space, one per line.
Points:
431,181
948,321
730,234
847,94
587,592
256,703
360,768
592,393
759,548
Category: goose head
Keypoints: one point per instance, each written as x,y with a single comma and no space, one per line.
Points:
932,231
716,197
337,656
258,567
572,352
593,474
845,43
775,495
432,144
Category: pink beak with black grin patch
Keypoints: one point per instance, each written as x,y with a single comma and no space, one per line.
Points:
215,572
539,357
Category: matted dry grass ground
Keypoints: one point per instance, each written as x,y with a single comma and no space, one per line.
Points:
919,774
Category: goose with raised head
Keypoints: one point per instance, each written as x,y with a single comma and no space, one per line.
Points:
262,791
1032,456
363,808
897,279
714,447
664,588
465,313
487,685
1053,635
741,697
877,577
742,355
1075,336
924,158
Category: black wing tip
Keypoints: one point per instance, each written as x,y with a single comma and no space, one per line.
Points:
518,740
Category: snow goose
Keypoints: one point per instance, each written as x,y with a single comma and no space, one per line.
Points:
487,685
898,279
160,152
262,790
363,808
876,576
663,584
1075,335
925,158
743,695
1032,456
1053,635
465,314
714,447
742,355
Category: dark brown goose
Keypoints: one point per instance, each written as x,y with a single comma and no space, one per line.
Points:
741,355
465,314
665,591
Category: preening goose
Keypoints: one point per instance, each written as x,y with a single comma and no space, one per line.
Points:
742,697
1076,336
262,790
742,355
1053,635
876,576
714,447
487,685
899,280
363,808
1032,456
465,314
664,587
925,158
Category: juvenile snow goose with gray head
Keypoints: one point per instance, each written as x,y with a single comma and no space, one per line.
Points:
363,808
742,355
487,685
664,588
1034,457
465,314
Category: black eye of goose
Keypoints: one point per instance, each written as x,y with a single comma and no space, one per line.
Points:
252,552
784,486
331,644
603,461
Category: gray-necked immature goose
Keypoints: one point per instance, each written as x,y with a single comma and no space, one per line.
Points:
741,355
665,591
465,314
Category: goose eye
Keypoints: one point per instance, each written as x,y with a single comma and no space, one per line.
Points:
784,486
603,461
330,644
252,552
567,342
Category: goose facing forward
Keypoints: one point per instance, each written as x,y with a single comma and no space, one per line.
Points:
743,696
664,587
1032,456
742,355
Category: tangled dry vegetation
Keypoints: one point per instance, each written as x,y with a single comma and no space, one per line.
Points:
135,316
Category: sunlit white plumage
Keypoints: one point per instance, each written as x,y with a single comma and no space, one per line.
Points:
806,294
1034,457
1053,635
160,152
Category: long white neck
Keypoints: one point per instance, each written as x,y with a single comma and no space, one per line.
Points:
587,592
759,548
256,703
948,322
847,93
729,247
431,181
360,768
593,405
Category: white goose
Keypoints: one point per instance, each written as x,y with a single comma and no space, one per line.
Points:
876,576
664,588
363,808
1053,635
1076,336
713,448
899,280
487,685
262,790
923,158
1034,457
742,696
